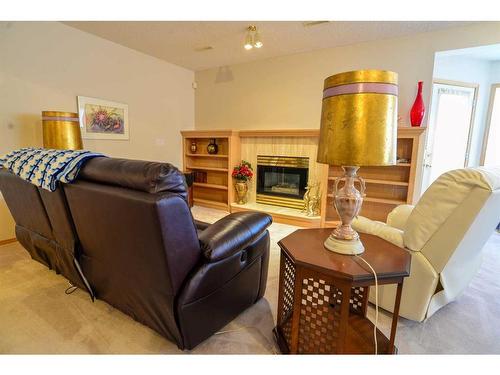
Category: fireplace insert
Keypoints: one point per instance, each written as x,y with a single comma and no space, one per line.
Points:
282,180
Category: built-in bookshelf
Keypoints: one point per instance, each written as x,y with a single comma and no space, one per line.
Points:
212,185
386,187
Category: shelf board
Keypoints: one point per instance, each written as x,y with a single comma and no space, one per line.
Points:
403,165
384,200
207,169
380,182
216,156
209,203
210,186
378,200
218,134
332,223
359,337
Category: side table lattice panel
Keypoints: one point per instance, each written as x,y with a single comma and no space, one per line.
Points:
358,300
288,298
319,316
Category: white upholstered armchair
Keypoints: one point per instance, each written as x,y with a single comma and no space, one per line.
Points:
444,233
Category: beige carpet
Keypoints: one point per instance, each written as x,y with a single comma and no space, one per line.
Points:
36,316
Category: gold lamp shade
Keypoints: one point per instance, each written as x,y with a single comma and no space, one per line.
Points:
61,130
358,128
359,119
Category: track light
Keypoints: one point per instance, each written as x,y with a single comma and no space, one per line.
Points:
252,38
257,43
248,41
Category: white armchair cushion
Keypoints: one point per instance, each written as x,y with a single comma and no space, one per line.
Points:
398,217
439,202
379,229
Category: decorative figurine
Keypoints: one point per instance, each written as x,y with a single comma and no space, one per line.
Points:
212,147
312,200
194,147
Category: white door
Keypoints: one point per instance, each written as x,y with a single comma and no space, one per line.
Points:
450,129
491,147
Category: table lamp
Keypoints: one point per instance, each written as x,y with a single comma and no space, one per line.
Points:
358,128
61,130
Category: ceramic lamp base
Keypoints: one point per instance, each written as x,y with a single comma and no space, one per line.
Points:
346,247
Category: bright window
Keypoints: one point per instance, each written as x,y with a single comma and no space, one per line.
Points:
492,154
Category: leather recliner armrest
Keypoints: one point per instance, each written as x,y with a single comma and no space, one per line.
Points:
232,233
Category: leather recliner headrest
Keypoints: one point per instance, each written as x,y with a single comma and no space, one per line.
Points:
147,176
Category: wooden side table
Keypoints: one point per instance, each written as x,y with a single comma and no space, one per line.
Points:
323,296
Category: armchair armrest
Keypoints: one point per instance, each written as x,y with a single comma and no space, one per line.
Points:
398,217
232,233
379,229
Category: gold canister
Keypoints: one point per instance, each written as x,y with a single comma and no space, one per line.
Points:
359,119
61,130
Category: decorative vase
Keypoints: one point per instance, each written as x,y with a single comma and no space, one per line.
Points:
241,191
194,147
418,110
212,147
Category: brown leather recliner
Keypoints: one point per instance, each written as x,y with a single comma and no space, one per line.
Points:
125,228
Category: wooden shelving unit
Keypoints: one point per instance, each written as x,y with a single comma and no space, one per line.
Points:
216,191
386,187
211,186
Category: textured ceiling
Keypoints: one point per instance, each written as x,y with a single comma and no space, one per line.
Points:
177,42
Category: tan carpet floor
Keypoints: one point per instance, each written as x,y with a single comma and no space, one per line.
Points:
36,316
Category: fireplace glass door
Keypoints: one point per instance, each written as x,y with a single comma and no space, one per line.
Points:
282,180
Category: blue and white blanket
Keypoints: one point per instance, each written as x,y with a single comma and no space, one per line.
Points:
44,167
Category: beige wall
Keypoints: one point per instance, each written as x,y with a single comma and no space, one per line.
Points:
286,91
45,65
6,222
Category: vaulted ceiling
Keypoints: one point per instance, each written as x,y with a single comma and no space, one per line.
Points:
186,43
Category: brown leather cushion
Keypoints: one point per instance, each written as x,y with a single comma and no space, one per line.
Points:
150,177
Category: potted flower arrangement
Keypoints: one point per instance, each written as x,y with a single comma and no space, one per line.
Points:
242,174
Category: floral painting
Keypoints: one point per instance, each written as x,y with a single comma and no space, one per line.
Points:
103,119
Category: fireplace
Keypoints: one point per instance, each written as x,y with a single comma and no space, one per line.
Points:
282,180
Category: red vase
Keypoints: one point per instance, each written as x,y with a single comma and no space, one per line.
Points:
418,109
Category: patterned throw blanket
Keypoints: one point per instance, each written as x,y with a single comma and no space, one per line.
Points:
44,167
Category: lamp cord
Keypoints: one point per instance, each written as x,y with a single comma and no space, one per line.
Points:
376,303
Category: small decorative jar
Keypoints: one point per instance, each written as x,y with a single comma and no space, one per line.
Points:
194,147
212,147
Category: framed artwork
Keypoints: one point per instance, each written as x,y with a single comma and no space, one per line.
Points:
102,119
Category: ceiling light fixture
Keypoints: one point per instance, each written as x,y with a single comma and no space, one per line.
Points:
252,38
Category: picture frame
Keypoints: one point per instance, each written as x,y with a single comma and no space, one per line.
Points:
103,119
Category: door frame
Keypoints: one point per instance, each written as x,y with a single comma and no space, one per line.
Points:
487,126
430,134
